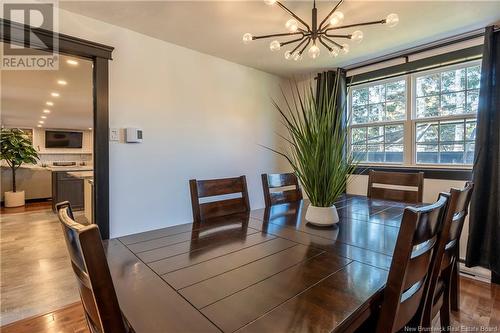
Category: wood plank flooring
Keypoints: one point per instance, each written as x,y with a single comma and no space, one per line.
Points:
36,272
479,307
28,207
69,319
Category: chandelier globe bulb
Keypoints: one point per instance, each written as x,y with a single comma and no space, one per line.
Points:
392,20
247,38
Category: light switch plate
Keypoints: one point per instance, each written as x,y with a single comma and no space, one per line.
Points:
114,134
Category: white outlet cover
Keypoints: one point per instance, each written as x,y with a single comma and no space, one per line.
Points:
114,134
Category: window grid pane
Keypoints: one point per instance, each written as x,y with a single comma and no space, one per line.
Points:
379,144
447,93
379,102
445,141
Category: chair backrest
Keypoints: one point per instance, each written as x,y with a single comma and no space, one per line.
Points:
405,291
278,181
386,179
216,187
92,273
456,212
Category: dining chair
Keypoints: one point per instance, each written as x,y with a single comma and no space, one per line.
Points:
90,266
201,189
272,182
396,180
405,291
446,264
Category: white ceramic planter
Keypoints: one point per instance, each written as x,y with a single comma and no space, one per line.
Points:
14,199
322,216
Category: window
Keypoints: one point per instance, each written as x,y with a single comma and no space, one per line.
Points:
428,118
378,114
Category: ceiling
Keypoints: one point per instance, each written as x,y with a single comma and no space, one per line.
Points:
25,93
216,27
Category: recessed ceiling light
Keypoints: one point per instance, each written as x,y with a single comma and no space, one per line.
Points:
43,117
54,94
46,111
90,128
49,103
38,125
62,82
72,62
41,121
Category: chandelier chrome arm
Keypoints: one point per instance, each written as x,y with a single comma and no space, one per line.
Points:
282,6
335,36
331,41
356,25
329,14
324,44
299,45
291,41
280,35
305,45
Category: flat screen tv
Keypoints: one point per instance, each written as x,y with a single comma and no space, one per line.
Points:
63,139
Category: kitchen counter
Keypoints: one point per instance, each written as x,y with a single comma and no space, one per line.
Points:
88,191
70,168
82,174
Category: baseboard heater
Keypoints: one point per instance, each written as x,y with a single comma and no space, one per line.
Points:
476,273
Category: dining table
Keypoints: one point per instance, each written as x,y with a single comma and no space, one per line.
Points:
268,270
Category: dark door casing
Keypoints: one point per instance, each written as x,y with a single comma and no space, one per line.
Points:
99,54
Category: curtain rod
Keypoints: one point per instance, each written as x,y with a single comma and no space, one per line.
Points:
422,48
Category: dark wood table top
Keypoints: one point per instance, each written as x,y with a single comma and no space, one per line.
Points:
264,271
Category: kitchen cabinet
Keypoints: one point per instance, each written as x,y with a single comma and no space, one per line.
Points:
67,188
35,181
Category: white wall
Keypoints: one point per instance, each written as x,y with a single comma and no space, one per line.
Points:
202,117
358,184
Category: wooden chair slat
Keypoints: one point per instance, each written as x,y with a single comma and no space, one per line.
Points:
215,187
281,179
285,196
415,180
222,208
275,181
397,178
394,194
418,268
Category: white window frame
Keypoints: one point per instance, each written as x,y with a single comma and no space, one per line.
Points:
410,123
380,123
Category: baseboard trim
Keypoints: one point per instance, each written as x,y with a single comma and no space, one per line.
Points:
32,200
476,273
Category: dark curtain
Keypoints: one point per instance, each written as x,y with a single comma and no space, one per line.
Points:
483,247
329,78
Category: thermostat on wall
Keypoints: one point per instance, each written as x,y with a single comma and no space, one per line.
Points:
133,135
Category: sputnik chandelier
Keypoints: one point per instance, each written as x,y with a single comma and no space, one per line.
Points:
323,34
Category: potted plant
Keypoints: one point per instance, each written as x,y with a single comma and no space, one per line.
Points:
16,150
317,152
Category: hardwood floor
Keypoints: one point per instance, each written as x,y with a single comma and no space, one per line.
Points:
70,319
28,207
479,307
36,271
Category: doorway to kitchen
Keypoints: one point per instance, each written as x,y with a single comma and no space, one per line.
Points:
52,110
63,116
